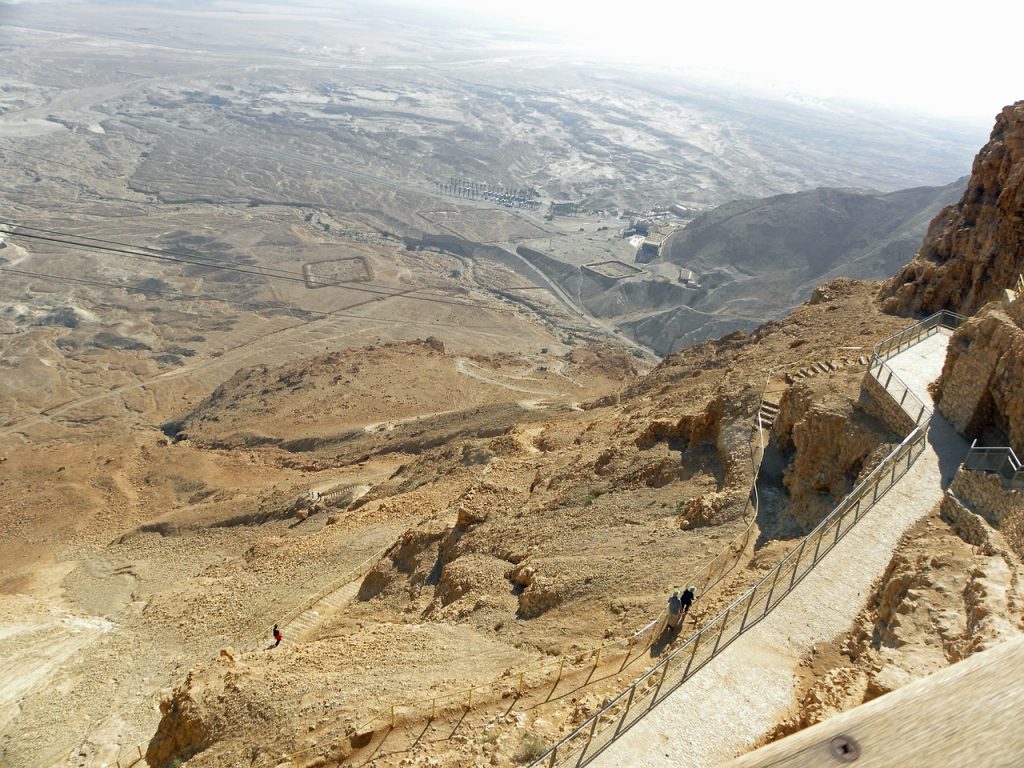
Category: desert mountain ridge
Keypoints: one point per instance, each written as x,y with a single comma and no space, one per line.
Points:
756,259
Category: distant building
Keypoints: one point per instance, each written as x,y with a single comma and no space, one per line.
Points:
649,251
687,277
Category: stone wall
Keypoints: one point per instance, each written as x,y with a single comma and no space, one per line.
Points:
968,525
983,492
982,381
876,401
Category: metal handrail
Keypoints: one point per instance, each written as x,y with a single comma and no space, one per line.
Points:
855,500
772,588
1000,460
894,344
920,413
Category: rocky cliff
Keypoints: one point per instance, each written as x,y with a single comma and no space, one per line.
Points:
982,383
828,440
974,250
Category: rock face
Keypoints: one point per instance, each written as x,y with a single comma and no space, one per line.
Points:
982,381
829,440
974,250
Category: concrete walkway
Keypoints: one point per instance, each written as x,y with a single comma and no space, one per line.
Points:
730,704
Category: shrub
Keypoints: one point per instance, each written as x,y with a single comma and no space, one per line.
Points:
531,747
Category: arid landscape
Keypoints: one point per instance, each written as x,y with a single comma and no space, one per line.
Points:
376,329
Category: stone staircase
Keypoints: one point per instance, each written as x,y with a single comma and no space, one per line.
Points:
819,367
303,627
769,412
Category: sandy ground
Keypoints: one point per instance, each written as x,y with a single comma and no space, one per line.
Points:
750,687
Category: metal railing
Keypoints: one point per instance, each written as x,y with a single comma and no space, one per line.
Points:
898,342
602,728
911,404
999,460
892,345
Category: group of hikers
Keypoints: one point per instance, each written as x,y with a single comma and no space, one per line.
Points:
679,605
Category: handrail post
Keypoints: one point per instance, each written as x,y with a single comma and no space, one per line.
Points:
625,712
693,655
554,756
746,613
771,590
796,565
725,620
590,736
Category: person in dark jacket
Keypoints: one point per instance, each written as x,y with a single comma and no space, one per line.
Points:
689,595
278,637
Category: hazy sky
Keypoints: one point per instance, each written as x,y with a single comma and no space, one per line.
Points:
953,58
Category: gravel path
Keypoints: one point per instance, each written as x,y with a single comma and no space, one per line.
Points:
726,708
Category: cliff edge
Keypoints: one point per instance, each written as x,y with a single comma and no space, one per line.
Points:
974,250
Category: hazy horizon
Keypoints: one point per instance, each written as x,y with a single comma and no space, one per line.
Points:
911,56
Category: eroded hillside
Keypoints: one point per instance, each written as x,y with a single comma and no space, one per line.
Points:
553,538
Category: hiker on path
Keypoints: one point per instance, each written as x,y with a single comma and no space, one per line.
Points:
675,608
278,637
689,595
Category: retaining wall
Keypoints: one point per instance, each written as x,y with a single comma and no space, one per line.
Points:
877,401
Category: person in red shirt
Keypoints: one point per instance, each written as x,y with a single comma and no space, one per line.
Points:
278,637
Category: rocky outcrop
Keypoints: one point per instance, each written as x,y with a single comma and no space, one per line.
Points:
983,493
974,250
409,564
829,440
184,729
982,382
